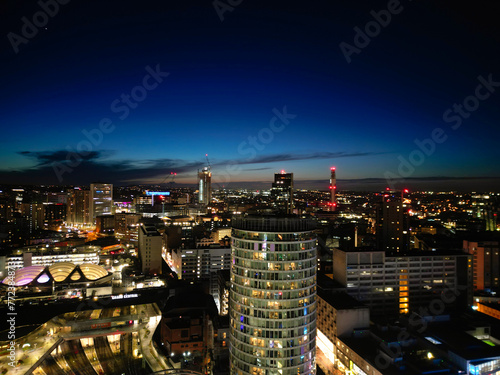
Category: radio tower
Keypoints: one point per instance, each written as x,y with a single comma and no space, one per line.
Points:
333,190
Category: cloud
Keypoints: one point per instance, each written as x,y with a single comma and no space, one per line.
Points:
257,169
273,158
47,157
94,167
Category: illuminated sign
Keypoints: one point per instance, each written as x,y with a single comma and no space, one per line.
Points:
122,296
152,193
100,325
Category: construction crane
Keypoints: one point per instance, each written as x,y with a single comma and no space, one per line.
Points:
171,177
208,162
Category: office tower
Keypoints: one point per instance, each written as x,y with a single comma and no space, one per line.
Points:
282,191
333,190
392,223
78,208
486,262
273,296
205,186
126,226
6,208
402,283
201,263
101,200
150,248
34,214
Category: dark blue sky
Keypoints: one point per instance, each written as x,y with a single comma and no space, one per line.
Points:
228,79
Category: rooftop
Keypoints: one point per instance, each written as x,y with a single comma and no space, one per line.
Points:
340,300
273,223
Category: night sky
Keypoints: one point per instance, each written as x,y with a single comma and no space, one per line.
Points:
259,86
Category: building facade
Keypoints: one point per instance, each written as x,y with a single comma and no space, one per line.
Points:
486,263
272,304
392,223
392,285
205,186
34,214
78,207
101,200
282,192
150,249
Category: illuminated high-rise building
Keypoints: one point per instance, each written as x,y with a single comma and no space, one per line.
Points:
273,296
78,207
282,191
333,190
205,186
34,214
101,200
392,222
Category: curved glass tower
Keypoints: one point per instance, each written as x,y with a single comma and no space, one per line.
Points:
273,296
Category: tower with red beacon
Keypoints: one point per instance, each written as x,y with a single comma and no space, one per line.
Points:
333,190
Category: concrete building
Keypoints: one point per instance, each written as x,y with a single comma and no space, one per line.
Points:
202,264
78,207
101,200
486,263
34,214
150,249
392,285
392,223
126,226
188,326
273,296
105,224
220,233
339,316
55,214
282,192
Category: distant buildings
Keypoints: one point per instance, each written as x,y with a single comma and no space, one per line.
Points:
205,186
273,296
101,200
150,249
282,192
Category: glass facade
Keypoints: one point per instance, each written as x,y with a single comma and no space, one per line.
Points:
273,298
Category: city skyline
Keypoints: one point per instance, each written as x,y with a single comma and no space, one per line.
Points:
257,87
